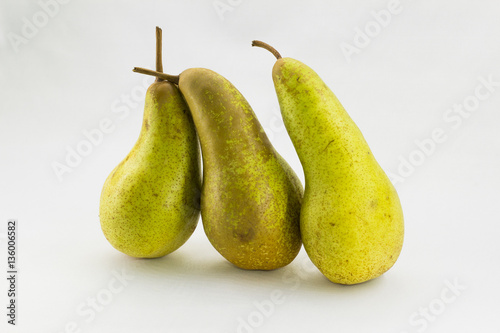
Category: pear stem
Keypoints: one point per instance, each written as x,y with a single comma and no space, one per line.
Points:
268,47
168,77
159,64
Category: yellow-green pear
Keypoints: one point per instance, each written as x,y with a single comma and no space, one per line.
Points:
149,204
250,200
351,220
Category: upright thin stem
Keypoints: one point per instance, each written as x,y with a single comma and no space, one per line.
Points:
159,63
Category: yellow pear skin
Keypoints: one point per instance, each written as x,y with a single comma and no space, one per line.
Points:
250,200
150,202
351,219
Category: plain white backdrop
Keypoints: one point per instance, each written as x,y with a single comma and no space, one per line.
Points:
419,77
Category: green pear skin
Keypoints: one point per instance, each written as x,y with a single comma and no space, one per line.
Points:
351,219
251,198
149,204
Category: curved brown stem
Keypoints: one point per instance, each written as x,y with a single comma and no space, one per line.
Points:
268,47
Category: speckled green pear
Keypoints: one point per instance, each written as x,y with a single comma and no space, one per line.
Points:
251,198
150,202
351,218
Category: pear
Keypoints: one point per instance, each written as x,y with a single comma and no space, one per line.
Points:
251,198
149,203
351,219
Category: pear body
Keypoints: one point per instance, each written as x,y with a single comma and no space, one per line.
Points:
149,203
250,200
351,219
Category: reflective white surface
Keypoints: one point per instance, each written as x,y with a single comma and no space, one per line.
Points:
420,78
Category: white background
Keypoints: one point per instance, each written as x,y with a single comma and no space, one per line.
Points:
75,70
